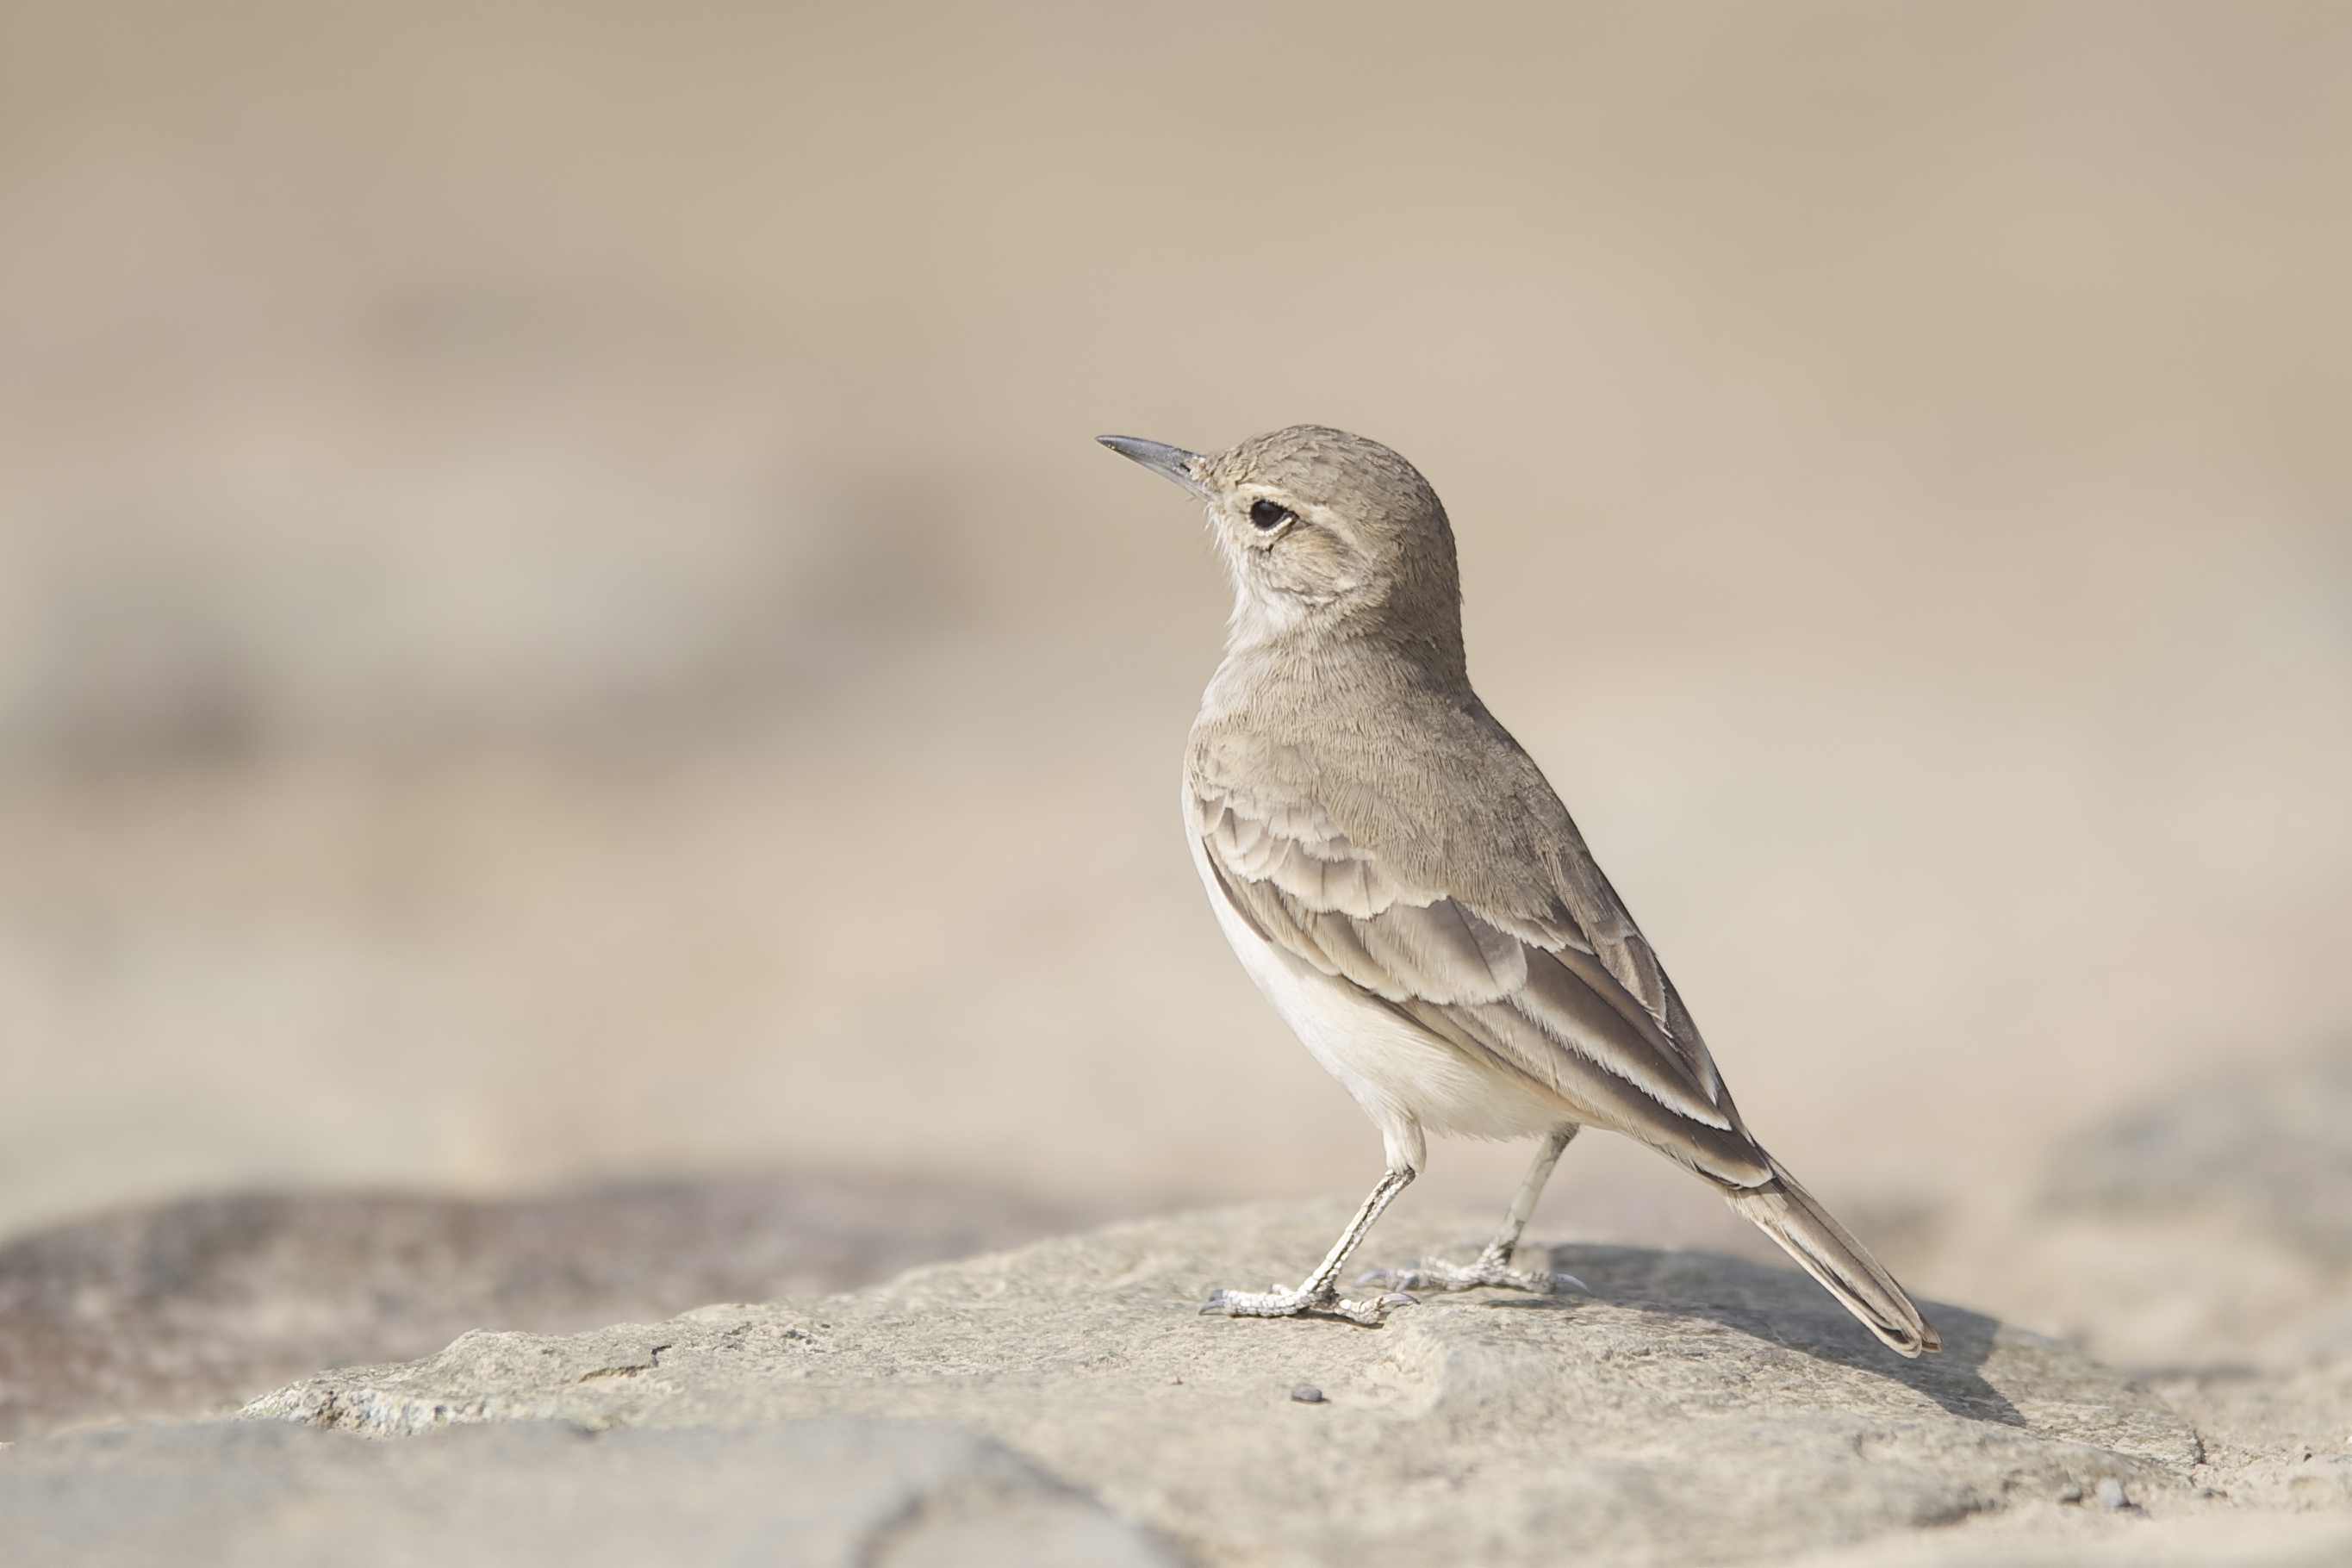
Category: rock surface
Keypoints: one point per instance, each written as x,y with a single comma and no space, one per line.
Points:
192,1307
814,1494
1694,1409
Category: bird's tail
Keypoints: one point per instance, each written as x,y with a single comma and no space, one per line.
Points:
1792,1216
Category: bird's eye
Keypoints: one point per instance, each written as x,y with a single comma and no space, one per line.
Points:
1269,516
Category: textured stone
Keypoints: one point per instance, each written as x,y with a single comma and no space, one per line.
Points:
194,1307
816,1494
2088,1538
1694,1408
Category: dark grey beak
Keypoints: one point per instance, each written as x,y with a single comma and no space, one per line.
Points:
1170,462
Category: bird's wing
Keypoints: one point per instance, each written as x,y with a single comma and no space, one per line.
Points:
1604,923
1540,999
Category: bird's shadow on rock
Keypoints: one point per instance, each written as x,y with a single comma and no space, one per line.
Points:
1783,1307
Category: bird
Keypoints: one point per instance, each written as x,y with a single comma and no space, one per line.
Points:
1404,886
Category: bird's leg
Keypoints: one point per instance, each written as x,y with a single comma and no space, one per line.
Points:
1523,1207
1494,1265
1320,1293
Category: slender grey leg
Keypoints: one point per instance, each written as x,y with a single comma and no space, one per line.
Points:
1320,1293
1515,1221
1494,1265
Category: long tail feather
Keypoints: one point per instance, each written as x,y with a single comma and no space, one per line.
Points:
1792,1216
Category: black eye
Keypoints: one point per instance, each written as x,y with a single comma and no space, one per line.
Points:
1268,516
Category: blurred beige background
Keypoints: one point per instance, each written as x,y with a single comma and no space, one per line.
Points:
560,620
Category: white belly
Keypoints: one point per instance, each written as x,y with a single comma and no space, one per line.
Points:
1405,1078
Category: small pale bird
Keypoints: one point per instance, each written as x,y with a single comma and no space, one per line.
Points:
1405,887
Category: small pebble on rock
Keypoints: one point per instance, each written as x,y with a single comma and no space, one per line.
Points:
1308,1393
2069,1492
2111,1494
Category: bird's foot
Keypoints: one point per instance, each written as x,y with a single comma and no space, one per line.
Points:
1491,1268
1277,1301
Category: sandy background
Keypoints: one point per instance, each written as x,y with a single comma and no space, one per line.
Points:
560,621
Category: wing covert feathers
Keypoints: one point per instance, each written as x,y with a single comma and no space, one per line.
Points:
1547,1013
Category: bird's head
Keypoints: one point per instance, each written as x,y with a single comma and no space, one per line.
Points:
1324,533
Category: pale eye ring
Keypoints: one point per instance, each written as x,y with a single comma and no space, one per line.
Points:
1270,515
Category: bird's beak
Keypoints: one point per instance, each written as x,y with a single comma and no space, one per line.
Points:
1170,462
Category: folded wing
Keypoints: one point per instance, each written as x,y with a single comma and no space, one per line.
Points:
1570,1003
